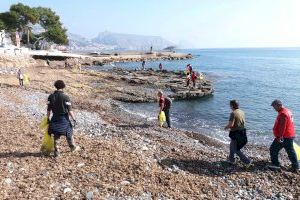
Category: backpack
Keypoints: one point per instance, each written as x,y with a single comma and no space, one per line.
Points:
168,103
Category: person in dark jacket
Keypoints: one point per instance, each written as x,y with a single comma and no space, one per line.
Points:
143,64
160,66
60,125
237,133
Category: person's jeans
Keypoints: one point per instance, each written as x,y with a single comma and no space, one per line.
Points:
21,82
70,141
233,150
167,113
287,144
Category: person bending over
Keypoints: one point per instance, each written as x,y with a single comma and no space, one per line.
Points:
165,105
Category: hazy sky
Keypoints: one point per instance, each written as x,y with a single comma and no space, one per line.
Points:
195,23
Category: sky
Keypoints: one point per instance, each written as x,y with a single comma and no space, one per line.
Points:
188,23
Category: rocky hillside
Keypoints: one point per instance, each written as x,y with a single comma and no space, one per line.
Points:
119,41
80,43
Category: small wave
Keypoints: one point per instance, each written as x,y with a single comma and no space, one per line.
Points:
135,112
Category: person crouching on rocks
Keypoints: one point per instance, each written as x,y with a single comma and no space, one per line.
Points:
60,125
284,132
237,134
165,105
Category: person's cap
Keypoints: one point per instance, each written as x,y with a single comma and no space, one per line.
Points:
276,102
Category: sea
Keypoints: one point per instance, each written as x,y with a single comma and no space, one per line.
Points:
252,76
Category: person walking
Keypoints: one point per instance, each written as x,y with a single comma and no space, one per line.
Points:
143,64
165,105
60,125
237,133
284,133
160,67
20,76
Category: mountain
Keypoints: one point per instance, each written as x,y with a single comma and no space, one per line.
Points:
131,41
117,41
80,43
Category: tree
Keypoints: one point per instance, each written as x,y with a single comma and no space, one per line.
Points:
24,14
10,21
32,38
20,18
51,23
2,24
57,35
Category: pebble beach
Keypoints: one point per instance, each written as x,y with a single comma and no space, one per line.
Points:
122,156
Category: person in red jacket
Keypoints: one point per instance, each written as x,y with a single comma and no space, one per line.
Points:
284,132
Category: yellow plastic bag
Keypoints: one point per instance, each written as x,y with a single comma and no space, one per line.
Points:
48,143
297,150
26,79
162,118
44,123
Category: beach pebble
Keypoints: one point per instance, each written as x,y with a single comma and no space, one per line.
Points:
125,183
144,148
89,195
10,167
8,181
175,168
80,165
66,190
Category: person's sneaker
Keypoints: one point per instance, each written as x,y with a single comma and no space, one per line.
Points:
76,148
274,167
250,164
295,170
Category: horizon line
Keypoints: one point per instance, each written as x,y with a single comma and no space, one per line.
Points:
285,47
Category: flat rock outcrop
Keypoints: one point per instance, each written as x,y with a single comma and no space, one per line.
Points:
173,83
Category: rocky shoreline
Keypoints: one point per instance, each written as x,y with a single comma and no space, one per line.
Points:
123,156
76,61
172,83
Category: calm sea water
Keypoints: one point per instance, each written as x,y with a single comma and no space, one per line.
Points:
254,77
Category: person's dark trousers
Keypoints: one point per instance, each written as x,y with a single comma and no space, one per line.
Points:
234,150
21,82
167,113
287,144
188,82
70,141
